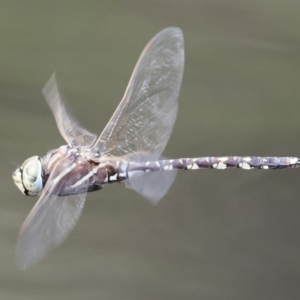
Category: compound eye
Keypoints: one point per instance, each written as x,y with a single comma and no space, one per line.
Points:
31,169
28,178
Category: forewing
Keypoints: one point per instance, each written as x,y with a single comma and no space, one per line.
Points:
145,117
67,125
51,219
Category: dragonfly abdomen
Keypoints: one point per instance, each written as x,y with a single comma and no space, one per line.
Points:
226,162
245,162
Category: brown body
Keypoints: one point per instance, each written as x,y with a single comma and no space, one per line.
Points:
78,170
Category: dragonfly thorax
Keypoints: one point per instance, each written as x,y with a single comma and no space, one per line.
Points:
28,178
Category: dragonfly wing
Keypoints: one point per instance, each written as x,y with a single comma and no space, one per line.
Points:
145,117
67,125
51,219
152,185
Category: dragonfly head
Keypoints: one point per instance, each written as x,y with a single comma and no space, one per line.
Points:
28,178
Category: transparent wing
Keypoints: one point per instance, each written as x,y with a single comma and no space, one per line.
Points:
66,123
145,117
51,219
151,185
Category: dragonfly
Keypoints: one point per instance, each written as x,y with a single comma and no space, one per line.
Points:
127,151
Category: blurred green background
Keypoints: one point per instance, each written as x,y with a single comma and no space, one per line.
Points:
229,234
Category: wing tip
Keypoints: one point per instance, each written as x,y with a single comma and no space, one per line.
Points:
172,31
50,85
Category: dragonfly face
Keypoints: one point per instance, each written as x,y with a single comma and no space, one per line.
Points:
28,178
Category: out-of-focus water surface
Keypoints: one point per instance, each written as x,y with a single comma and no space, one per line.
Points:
230,234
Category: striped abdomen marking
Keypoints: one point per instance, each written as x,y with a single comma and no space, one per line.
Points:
246,163
110,172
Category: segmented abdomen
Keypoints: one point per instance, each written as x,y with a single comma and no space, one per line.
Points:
247,163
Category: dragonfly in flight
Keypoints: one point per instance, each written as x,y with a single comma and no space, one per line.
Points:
128,150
